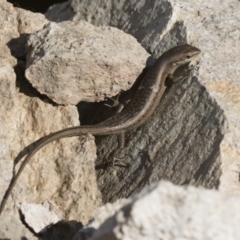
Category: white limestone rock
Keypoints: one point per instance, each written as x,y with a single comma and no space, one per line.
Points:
38,216
165,211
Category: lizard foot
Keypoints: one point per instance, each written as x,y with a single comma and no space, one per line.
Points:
119,160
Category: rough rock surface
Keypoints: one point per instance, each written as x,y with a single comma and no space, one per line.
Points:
198,124
193,137
160,211
75,61
165,211
73,230
43,212
60,175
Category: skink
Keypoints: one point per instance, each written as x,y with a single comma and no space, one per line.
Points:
137,111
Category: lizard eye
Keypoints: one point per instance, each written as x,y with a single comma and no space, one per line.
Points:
188,56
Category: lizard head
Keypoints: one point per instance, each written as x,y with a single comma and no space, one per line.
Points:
182,54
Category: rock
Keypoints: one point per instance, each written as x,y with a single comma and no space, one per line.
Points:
38,216
27,27
90,64
8,32
23,28
102,214
60,12
165,211
15,30
62,173
194,138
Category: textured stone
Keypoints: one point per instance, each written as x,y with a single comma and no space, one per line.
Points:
162,211
27,27
165,211
72,230
198,142
63,172
8,28
44,215
60,12
72,62
102,214
15,26
193,136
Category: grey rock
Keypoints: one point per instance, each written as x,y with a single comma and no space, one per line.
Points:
192,138
60,12
195,135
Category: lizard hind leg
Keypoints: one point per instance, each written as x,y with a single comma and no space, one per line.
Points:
116,154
